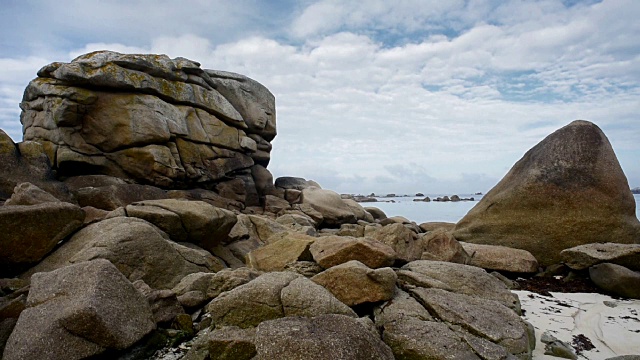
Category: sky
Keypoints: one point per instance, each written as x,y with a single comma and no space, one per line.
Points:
376,96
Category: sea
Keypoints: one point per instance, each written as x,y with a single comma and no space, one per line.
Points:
421,212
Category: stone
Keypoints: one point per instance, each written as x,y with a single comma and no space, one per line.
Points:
192,221
334,210
400,308
275,205
27,162
229,279
232,343
30,232
294,183
271,296
354,283
440,245
164,304
486,318
501,258
376,213
584,256
329,251
274,256
28,194
295,221
79,311
458,278
325,337
137,248
404,241
353,230
415,339
151,120
111,197
431,226
616,279
304,268
566,191
358,210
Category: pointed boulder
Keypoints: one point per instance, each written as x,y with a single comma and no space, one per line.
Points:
566,191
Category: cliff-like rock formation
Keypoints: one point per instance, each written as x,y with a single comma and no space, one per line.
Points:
150,119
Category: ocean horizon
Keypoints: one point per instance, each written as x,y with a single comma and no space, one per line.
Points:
420,211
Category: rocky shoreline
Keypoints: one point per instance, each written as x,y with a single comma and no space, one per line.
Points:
140,221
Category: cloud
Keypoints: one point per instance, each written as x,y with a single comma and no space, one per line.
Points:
452,108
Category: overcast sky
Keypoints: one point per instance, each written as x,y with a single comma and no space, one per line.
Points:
374,95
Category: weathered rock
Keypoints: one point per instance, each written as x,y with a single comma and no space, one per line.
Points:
333,209
137,248
295,221
275,205
458,278
376,213
28,194
304,268
486,318
404,241
111,197
354,283
207,196
568,190
325,337
440,245
295,183
274,256
227,280
415,339
400,308
494,257
330,251
358,210
583,256
431,226
616,279
27,162
271,296
77,312
232,343
29,232
192,221
164,304
353,230
151,119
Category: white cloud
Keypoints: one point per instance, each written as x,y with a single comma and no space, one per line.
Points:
359,114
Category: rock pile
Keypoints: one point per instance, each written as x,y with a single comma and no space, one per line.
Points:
151,220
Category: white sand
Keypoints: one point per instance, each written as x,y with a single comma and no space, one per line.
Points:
612,330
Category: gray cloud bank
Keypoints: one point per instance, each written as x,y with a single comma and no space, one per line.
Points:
376,96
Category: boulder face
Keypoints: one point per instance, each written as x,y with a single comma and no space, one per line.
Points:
148,118
566,191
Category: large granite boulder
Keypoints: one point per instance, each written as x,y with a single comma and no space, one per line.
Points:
325,337
192,221
330,251
77,312
151,119
329,203
616,279
583,256
501,258
354,283
138,249
272,296
30,232
566,191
